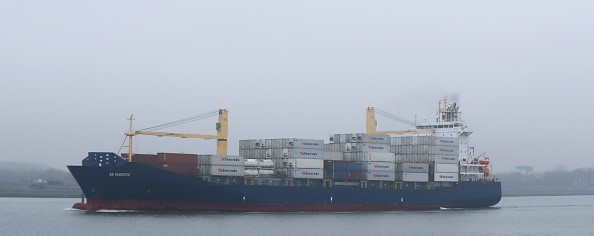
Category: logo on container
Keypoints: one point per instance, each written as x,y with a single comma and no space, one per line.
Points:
230,159
305,173
446,141
378,175
221,170
308,153
375,147
415,168
304,143
378,166
446,177
446,150
448,158
377,138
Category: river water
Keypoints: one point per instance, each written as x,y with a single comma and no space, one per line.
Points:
567,215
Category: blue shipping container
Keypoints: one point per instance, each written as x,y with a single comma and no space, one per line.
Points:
344,175
342,166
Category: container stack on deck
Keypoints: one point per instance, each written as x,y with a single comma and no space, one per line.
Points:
359,159
228,169
438,157
370,152
413,174
291,157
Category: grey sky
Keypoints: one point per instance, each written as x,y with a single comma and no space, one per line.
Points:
72,71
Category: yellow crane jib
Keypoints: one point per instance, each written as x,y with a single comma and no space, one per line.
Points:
222,128
371,124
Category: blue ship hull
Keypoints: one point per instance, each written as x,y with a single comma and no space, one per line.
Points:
133,186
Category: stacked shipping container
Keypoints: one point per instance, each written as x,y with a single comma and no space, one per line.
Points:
371,151
296,158
425,149
440,153
446,173
413,172
213,165
350,157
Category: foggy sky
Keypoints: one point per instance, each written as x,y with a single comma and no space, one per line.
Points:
72,71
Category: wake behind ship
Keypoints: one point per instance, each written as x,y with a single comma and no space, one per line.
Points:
428,167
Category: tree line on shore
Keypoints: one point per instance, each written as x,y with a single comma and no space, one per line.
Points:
560,176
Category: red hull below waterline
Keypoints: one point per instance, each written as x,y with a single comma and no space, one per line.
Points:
95,205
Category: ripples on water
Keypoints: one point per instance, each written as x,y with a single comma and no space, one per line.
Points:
568,215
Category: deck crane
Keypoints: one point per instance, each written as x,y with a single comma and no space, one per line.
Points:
221,127
372,123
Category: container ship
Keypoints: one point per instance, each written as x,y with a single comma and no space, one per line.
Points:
427,167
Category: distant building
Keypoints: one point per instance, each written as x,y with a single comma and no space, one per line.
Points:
525,170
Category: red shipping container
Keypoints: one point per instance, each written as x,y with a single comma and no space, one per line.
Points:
184,169
178,158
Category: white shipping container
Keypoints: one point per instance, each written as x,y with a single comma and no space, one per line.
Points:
227,170
445,141
373,138
375,156
250,172
266,164
251,163
337,147
333,156
305,143
307,173
414,177
370,147
445,159
303,153
378,166
220,160
446,177
380,175
444,150
414,167
294,143
305,163
266,172
425,149
446,168
253,153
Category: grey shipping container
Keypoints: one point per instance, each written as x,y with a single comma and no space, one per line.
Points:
370,147
378,166
425,140
333,156
412,177
307,173
446,168
413,167
338,147
380,175
305,163
424,149
446,177
294,143
445,159
361,138
370,156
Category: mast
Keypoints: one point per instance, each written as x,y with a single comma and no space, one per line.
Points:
448,112
130,136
